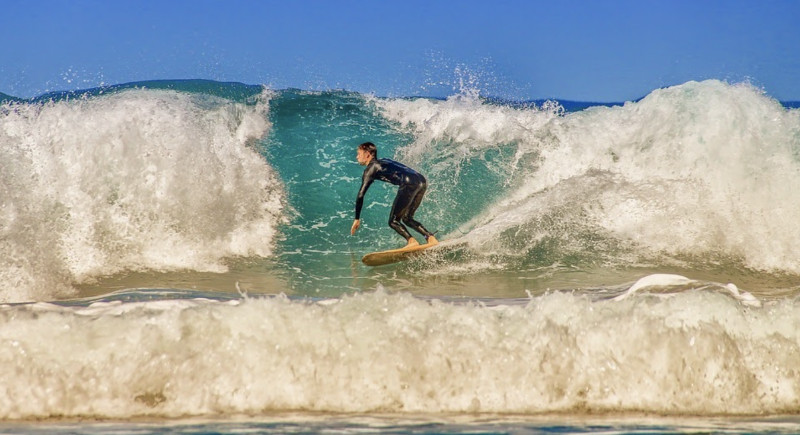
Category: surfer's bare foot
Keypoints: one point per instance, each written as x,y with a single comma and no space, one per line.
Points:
412,242
432,240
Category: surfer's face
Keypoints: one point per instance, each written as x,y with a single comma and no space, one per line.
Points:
363,157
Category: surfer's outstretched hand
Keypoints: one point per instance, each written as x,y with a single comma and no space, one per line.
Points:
356,224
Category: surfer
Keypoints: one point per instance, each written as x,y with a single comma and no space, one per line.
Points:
412,186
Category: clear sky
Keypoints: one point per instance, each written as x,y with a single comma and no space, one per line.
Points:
598,50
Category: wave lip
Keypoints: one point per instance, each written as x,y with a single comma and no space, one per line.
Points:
139,179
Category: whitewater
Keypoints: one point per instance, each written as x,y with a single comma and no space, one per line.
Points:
181,249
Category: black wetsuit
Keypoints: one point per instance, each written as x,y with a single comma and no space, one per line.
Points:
409,195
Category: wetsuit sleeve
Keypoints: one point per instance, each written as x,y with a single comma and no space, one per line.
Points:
366,181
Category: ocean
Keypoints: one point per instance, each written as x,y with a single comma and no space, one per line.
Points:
176,257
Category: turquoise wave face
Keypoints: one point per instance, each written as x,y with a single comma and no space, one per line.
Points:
312,145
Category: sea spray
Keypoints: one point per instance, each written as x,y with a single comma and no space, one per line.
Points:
704,171
139,179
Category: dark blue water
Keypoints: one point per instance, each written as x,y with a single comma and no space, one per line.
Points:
369,425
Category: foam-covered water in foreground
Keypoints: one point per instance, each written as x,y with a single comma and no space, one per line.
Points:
699,352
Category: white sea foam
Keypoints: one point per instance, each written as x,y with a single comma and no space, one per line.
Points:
139,179
671,282
697,352
701,169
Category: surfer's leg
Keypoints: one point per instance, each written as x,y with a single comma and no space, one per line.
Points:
408,216
399,207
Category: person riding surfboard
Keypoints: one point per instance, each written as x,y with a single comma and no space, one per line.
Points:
411,189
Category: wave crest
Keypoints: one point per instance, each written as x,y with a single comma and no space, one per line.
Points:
700,170
139,179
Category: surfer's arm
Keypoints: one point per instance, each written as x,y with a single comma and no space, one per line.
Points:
366,181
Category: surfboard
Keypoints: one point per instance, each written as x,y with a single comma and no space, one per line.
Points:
394,255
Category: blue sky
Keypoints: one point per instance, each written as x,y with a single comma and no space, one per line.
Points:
578,50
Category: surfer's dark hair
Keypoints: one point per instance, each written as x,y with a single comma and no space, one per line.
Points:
370,148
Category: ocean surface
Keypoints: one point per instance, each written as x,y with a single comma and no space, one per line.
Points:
175,256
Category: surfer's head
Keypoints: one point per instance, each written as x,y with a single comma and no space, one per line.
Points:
366,152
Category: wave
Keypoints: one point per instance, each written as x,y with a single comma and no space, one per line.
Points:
195,176
192,176
676,351
131,180
702,172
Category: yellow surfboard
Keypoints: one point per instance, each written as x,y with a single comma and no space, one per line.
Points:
394,255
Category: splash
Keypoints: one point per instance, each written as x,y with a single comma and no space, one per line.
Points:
698,171
139,179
